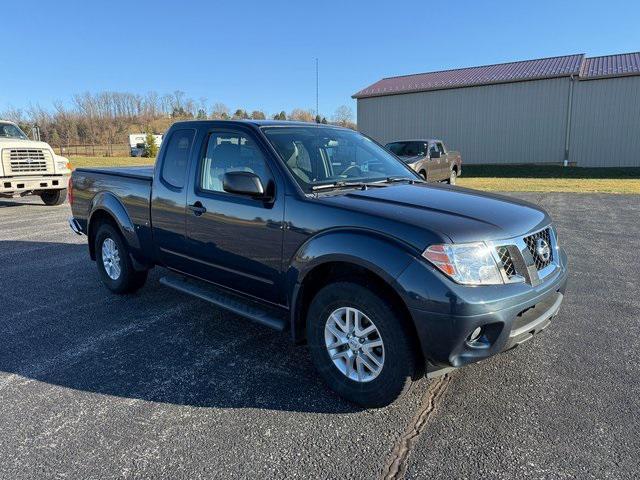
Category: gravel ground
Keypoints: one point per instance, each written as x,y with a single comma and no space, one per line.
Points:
158,384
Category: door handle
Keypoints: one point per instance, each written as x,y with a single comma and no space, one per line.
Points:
197,209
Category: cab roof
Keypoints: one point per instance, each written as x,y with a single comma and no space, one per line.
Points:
262,123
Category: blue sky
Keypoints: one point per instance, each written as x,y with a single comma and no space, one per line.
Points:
260,54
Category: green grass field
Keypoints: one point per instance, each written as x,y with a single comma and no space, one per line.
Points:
79,162
511,178
551,178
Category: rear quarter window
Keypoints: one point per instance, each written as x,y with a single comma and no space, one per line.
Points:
176,157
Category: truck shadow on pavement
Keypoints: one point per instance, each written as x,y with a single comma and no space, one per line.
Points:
20,202
156,345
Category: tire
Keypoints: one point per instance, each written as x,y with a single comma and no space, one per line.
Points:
123,278
453,176
423,174
399,359
54,197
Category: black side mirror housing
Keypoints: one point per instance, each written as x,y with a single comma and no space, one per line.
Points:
243,183
435,155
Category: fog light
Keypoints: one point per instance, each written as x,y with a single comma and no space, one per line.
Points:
475,334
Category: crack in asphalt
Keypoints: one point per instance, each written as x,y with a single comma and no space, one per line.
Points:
396,465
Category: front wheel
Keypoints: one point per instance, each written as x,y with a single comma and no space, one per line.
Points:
360,345
54,197
114,264
453,176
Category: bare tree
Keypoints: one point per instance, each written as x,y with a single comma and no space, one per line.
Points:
105,118
15,115
220,111
343,116
302,115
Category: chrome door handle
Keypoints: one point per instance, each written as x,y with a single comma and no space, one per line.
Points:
197,209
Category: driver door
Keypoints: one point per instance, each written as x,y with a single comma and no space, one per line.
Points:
235,240
434,171
445,165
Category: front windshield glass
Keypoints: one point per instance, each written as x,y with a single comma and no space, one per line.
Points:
319,156
9,130
407,149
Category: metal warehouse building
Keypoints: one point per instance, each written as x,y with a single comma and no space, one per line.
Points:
584,110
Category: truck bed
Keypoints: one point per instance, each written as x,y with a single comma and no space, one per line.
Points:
141,172
131,187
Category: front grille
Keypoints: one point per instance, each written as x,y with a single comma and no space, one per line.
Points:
507,261
27,160
521,259
541,238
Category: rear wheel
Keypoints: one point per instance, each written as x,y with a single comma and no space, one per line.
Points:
114,264
54,197
423,174
360,345
453,176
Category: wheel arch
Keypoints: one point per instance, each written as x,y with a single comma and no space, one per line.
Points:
107,208
366,258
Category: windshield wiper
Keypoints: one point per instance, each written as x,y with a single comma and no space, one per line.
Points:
403,179
343,184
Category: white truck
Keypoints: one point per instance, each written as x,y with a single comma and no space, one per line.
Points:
28,167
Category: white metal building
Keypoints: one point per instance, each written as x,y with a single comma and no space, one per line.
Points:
584,110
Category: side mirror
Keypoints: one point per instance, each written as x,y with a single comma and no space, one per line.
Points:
243,183
435,155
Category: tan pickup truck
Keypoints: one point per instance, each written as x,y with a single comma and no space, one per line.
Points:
430,158
28,167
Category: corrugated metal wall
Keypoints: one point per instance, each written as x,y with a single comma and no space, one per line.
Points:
521,122
605,125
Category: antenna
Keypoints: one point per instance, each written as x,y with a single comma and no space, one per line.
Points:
317,108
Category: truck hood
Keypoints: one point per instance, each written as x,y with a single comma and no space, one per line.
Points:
18,143
463,215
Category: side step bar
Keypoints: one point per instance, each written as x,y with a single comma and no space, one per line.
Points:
269,316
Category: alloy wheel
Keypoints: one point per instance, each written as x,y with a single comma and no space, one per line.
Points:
111,258
354,344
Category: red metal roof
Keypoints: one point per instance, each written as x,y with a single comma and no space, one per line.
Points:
611,65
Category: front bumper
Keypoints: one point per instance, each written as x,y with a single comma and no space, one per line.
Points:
507,314
23,184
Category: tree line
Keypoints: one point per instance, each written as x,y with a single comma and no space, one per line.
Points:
106,118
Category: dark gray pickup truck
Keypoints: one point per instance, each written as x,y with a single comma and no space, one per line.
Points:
321,231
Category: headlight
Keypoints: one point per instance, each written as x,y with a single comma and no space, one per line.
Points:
465,263
62,164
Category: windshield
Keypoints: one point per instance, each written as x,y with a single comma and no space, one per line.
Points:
9,130
407,149
318,156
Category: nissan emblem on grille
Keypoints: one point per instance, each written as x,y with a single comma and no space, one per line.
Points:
539,244
542,249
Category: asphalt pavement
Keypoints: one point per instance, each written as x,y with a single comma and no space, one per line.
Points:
161,385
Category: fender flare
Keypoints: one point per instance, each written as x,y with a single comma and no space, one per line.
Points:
359,247
107,202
